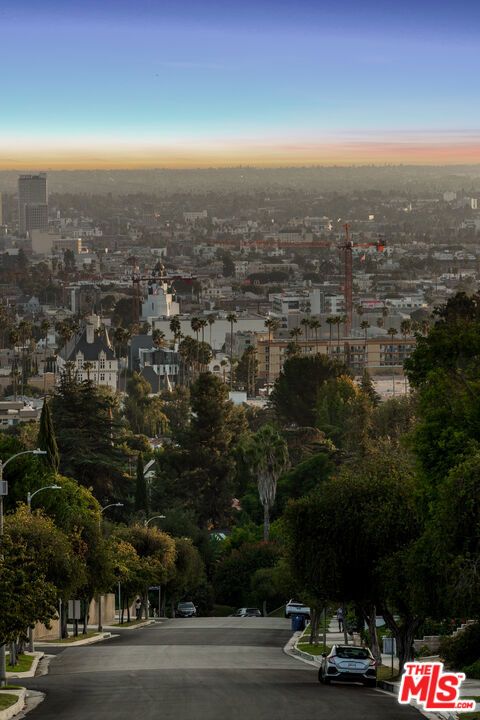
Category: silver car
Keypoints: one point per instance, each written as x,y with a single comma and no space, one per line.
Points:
348,663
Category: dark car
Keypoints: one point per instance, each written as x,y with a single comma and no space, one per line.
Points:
185,610
247,612
348,663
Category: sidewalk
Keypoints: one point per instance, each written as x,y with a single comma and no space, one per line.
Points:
334,637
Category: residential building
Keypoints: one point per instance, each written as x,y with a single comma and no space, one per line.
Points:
92,355
379,355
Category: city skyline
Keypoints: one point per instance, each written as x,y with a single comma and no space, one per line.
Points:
143,85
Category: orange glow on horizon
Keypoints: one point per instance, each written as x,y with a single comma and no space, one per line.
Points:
102,156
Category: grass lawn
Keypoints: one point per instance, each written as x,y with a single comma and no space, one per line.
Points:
130,624
73,639
313,649
6,699
23,665
384,672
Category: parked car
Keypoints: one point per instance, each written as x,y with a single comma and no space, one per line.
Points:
185,610
348,663
293,607
247,612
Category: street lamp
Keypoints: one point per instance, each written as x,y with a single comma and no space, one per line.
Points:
4,491
30,495
102,510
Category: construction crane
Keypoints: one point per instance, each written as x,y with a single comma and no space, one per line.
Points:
347,249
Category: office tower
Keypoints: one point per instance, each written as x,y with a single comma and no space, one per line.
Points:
32,203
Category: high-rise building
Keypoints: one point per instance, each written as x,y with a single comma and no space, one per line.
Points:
32,203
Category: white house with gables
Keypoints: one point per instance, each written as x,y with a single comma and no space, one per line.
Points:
92,355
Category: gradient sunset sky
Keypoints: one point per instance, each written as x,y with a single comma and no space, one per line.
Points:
117,83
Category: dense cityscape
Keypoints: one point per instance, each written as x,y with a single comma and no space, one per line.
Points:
234,367
239,360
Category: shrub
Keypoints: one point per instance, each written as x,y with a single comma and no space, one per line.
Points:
472,671
462,649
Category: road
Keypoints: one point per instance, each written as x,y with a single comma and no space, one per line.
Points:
200,669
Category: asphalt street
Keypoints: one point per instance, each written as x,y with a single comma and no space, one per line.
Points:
200,669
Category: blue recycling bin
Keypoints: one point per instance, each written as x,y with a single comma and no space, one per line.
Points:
298,622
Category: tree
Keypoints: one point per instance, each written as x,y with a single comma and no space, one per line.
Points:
344,414
231,318
247,369
272,326
266,454
315,325
46,438
444,370
143,412
141,490
233,574
368,388
156,551
294,397
87,425
347,539
188,573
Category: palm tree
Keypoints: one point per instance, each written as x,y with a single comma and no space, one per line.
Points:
195,325
305,323
380,322
315,325
330,323
203,325
272,325
364,325
224,364
44,327
175,328
87,366
406,328
294,334
232,318
211,321
158,338
392,332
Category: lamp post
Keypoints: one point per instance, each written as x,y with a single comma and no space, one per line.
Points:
100,626
30,496
3,492
155,517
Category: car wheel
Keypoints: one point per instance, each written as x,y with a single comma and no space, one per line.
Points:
370,683
320,675
326,680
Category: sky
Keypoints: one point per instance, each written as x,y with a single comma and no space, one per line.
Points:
201,83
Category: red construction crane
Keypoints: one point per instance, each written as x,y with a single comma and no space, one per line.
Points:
347,249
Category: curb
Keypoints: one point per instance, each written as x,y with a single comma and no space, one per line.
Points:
16,707
131,627
77,643
291,650
37,656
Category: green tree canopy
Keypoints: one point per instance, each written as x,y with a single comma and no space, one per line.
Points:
295,394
